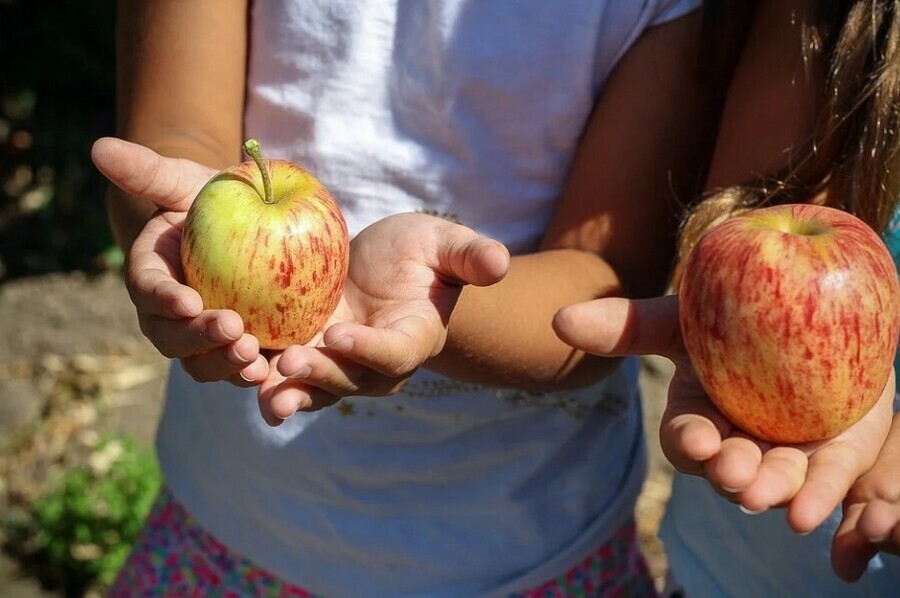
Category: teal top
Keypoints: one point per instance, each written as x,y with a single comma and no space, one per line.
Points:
892,240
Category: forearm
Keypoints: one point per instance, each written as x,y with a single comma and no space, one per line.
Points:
180,88
613,228
502,336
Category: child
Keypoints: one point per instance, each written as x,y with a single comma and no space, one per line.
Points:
508,464
714,548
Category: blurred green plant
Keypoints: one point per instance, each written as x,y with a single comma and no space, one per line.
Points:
57,94
78,534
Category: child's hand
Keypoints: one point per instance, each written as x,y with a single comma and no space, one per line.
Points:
810,479
211,344
406,274
871,520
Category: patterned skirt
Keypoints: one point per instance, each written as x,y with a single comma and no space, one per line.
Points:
175,556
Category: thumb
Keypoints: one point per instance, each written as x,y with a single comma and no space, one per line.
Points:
468,258
170,183
615,326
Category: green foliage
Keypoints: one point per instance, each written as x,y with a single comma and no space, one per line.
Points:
80,532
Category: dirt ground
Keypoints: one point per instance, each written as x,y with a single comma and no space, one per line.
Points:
67,336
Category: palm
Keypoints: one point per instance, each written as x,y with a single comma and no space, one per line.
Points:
389,282
809,478
392,284
211,344
406,274
697,439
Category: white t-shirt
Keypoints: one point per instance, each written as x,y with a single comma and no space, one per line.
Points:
470,109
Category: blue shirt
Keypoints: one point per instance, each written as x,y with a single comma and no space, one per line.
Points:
892,240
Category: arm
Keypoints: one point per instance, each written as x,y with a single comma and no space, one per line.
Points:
769,116
642,151
181,93
770,110
612,234
180,88
181,70
773,99
640,154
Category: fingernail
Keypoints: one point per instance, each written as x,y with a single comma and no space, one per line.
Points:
260,365
343,344
747,511
238,358
303,372
217,328
730,490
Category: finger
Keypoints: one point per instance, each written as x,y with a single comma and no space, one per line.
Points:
187,337
881,481
393,351
155,293
835,467
614,326
289,397
831,471
880,522
688,441
169,183
850,551
465,257
282,399
691,428
226,362
779,477
252,375
318,367
151,272
735,466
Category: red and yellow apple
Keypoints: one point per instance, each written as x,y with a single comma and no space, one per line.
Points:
790,316
266,239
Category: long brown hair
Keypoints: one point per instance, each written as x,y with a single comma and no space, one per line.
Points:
854,153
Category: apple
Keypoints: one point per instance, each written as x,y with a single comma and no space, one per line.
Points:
790,316
266,239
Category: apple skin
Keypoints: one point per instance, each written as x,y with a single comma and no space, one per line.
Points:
790,316
280,265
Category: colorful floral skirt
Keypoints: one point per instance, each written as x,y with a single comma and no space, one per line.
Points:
175,556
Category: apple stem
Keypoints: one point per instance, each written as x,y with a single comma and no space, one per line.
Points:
252,149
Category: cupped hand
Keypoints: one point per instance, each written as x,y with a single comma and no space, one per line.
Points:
211,344
405,276
871,514
811,480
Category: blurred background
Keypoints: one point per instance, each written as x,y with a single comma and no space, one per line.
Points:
80,388
57,96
